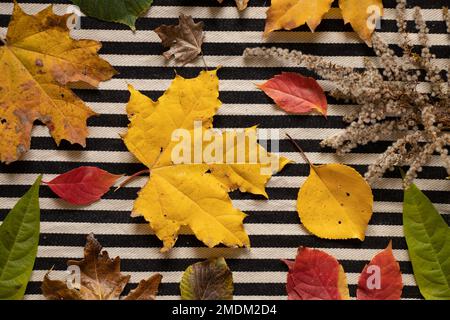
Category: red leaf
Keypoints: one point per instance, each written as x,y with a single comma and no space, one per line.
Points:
381,279
295,93
315,275
83,185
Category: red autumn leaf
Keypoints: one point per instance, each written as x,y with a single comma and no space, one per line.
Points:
315,275
83,185
381,279
295,93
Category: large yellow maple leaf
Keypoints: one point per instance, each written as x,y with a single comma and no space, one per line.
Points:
290,14
37,62
193,193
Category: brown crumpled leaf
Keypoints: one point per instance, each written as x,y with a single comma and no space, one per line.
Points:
241,4
101,279
185,39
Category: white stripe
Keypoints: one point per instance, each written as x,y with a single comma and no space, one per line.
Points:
225,85
252,229
238,62
204,253
114,132
219,12
127,157
244,205
328,37
238,277
274,182
269,109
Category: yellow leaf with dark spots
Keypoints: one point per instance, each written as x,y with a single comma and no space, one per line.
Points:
37,63
335,202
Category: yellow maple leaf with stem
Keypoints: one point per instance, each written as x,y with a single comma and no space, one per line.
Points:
194,192
37,62
290,14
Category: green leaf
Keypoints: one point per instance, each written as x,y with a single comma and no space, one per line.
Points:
19,238
122,11
207,280
428,239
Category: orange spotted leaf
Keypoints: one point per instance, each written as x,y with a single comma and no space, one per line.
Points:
381,279
295,93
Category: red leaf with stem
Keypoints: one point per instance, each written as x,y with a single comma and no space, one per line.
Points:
83,185
295,93
381,279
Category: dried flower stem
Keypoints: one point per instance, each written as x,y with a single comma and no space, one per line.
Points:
389,104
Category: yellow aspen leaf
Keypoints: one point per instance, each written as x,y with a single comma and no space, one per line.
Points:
192,193
37,63
290,14
335,202
361,14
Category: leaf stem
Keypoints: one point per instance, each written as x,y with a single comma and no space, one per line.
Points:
300,150
132,177
204,61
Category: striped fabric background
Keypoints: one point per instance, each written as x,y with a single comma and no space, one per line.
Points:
273,225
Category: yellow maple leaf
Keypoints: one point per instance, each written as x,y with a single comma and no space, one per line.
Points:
335,202
290,14
193,193
37,62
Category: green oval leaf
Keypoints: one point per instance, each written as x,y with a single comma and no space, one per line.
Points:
19,238
207,280
121,11
428,239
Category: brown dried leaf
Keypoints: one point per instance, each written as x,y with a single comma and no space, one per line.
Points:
100,277
185,39
146,289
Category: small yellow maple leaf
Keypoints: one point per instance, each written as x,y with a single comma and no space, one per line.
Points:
195,192
37,62
335,202
290,14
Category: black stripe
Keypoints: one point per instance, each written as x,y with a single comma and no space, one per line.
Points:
189,241
278,217
52,167
240,289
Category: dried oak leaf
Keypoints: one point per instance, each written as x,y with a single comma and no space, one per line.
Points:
184,40
290,14
241,4
37,63
101,279
192,193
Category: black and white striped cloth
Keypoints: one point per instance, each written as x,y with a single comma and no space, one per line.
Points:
273,225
